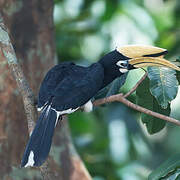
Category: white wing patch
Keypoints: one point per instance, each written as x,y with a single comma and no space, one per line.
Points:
88,107
30,159
40,108
47,110
58,113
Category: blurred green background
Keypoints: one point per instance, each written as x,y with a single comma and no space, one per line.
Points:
111,140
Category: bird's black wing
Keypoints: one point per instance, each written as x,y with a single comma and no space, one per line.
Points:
75,88
51,80
78,88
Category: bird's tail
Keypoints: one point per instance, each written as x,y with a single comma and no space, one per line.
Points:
39,144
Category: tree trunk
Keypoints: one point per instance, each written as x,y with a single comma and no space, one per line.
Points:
30,25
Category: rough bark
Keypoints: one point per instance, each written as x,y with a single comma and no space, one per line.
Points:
30,25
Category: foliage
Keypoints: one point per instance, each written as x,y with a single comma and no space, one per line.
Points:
167,170
112,136
163,85
112,88
116,85
145,99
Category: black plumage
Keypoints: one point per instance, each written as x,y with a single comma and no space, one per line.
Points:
40,141
65,88
73,90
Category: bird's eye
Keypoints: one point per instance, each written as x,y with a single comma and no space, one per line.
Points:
122,63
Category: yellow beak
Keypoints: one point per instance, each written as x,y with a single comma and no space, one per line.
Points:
152,61
143,56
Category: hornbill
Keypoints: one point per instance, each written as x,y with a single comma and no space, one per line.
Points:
67,87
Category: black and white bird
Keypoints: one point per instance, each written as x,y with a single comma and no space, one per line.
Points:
67,87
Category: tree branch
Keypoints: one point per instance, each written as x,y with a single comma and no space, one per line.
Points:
25,90
120,98
23,86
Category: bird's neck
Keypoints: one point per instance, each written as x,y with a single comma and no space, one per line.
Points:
108,80
111,70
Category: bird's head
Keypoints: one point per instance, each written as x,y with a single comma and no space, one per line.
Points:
138,56
131,57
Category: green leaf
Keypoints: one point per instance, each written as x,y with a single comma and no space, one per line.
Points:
116,85
178,76
146,100
112,88
102,93
177,62
174,176
178,59
169,170
163,84
111,7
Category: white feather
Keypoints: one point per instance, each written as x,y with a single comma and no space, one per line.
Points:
58,113
40,108
30,159
88,107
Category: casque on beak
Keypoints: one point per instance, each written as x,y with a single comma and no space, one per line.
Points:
152,61
143,56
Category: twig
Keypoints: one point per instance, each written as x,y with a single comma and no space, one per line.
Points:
120,98
136,86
